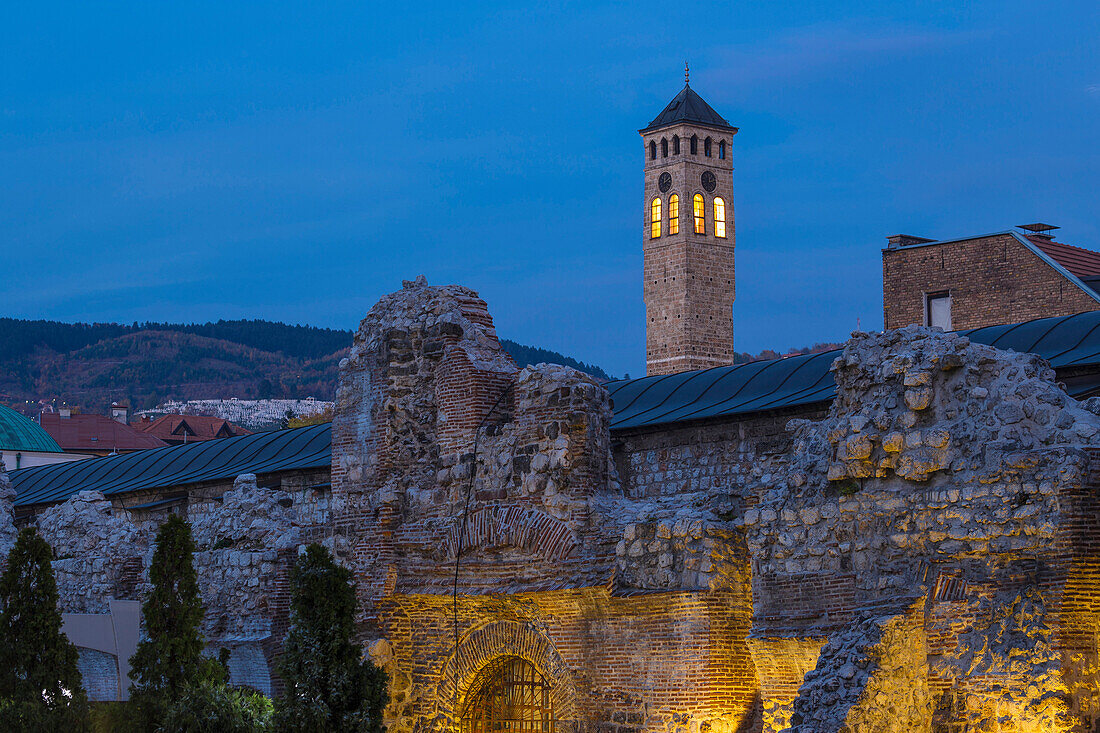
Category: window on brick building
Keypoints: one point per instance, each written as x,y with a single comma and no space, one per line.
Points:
664,147
937,310
673,214
509,696
719,217
655,219
675,144
694,144
721,149
653,150
700,215
706,147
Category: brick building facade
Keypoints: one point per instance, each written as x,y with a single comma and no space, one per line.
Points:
967,283
688,237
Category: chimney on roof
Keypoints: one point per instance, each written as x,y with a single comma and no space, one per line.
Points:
66,412
120,413
1038,229
896,241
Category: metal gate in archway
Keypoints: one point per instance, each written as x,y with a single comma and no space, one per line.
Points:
509,695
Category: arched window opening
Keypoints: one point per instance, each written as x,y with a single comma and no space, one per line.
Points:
673,214
694,144
675,144
664,147
700,215
655,219
653,150
706,147
719,218
721,150
509,696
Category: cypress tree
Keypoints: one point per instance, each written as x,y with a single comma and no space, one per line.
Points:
169,658
329,686
40,685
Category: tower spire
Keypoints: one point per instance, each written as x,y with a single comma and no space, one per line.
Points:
687,75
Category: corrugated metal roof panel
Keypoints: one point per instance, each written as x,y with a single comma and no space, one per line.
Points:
280,450
1069,341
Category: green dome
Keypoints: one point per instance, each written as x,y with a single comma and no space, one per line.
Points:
23,434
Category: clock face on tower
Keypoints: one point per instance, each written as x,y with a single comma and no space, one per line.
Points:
709,181
664,182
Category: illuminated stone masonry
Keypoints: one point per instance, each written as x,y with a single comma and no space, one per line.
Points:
633,611
919,555
953,481
916,558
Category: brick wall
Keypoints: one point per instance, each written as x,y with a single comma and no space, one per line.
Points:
620,665
991,280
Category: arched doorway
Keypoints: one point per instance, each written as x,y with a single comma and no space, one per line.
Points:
508,695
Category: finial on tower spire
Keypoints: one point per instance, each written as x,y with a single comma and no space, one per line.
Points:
687,74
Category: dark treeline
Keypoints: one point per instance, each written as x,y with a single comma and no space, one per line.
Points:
91,364
525,355
18,337
768,354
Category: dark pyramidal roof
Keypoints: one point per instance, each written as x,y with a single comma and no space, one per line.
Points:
687,106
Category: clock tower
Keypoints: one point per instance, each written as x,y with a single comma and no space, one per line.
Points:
688,237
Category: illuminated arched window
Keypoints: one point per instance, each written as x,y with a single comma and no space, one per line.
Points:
719,217
721,149
653,150
700,215
675,144
673,214
509,696
664,147
694,144
706,147
655,219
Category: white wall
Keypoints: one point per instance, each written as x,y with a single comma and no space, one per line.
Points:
25,459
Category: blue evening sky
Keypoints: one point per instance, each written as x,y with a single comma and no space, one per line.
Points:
295,161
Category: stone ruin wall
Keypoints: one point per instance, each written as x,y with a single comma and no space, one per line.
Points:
246,540
431,411
918,557
950,487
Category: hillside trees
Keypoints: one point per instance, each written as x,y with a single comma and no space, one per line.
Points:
329,686
40,685
90,365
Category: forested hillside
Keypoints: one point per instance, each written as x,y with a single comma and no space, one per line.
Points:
92,364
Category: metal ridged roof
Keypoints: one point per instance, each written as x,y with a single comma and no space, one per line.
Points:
278,450
1066,342
20,433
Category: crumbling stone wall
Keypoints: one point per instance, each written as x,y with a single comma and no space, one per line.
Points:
238,543
8,531
99,553
871,677
1008,669
940,470
447,457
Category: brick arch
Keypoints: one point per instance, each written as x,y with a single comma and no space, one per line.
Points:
497,639
528,529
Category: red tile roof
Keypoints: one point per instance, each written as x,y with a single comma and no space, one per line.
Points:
190,428
1080,262
95,433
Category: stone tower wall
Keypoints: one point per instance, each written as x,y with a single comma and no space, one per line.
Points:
688,278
